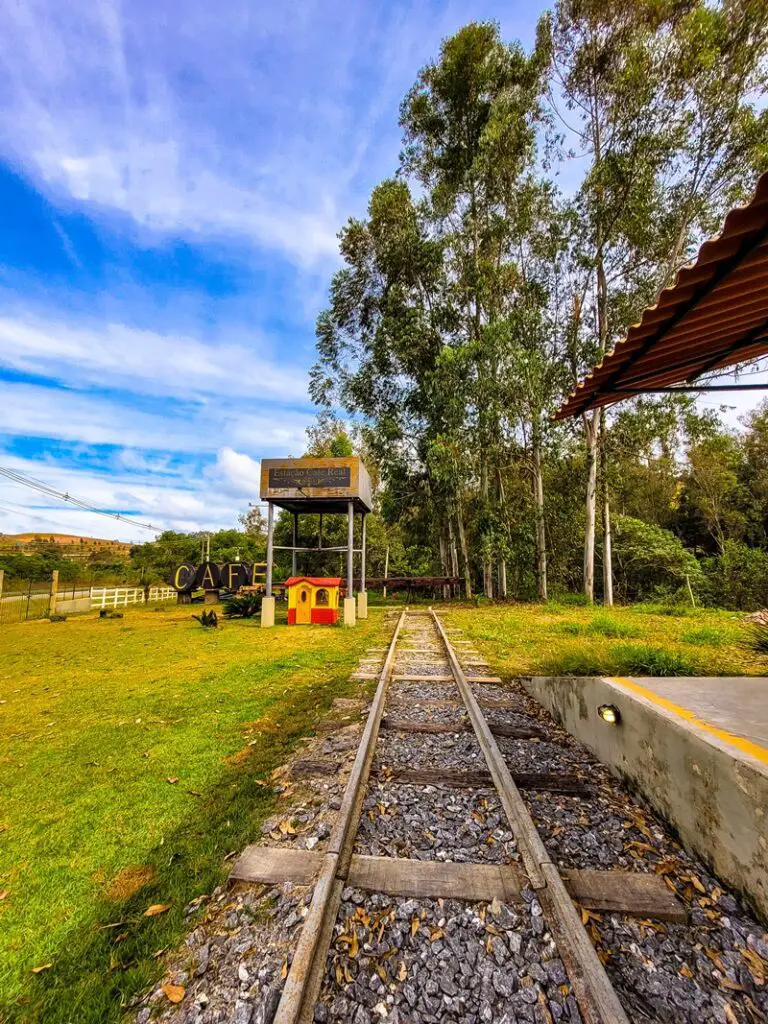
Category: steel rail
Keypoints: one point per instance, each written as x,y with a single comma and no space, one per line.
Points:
595,994
305,977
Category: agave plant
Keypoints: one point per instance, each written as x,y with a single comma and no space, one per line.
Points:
208,620
756,639
244,606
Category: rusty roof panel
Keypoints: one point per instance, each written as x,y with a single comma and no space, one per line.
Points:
715,315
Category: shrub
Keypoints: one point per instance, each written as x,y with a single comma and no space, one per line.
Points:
651,562
208,620
738,578
242,607
756,640
57,618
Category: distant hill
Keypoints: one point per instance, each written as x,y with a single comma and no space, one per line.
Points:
69,545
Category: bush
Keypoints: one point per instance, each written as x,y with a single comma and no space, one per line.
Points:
650,562
57,618
738,578
756,640
245,606
208,620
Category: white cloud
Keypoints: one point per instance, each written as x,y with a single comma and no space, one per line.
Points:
29,410
150,362
236,473
191,504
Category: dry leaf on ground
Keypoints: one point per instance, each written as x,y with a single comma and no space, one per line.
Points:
157,908
174,993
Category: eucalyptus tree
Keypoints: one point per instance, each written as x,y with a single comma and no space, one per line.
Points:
470,127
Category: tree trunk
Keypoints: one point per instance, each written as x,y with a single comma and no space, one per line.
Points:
487,566
464,552
538,497
454,554
503,580
444,562
607,534
590,429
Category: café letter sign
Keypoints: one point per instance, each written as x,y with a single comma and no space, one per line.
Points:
210,576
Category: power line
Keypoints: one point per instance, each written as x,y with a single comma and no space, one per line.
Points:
42,488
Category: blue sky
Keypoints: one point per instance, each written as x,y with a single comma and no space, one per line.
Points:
172,178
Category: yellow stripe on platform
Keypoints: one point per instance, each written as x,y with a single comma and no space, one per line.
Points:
748,747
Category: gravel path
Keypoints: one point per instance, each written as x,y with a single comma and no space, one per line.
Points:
428,961
430,823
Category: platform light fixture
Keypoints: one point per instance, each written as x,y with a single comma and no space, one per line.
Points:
609,713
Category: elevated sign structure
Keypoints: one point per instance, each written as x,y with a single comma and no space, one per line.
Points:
317,486
714,316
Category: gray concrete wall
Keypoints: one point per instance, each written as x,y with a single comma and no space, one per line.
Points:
80,604
715,796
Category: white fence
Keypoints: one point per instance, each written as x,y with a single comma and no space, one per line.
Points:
116,597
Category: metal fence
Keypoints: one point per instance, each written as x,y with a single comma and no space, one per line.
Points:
34,599
25,599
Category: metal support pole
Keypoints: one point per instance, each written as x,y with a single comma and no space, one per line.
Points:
350,545
295,557
270,535
362,558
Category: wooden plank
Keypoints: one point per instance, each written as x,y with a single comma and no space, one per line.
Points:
435,879
625,892
619,892
542,781
315,766
422,679
271,865
487,680
511,732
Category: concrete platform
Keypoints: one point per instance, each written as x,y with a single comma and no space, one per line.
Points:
697,750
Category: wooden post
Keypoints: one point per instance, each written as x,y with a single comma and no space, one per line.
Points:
362,566
386,571
270,539
294,558
54,591
2,575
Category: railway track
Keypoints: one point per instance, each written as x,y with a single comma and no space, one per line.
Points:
458,858
434,657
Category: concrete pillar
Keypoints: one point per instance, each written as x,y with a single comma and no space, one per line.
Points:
350,547
362,597
54,591
294,559
267,612
270,541
349,611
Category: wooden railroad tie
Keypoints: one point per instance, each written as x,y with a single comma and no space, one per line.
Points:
550,782
511,732
491,680
619,892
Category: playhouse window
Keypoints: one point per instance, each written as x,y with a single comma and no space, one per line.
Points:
303,595
321,600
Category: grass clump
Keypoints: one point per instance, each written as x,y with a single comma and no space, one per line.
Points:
646,660
756,640
704,636
604,625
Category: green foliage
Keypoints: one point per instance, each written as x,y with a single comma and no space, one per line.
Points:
650,561
703,636
756,639
57,618
208,619
646,660
244,606
738,578
605,625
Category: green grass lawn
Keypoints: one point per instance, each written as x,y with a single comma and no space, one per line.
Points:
96,717
644,640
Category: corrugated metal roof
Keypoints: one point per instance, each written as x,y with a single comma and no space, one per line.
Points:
715,315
